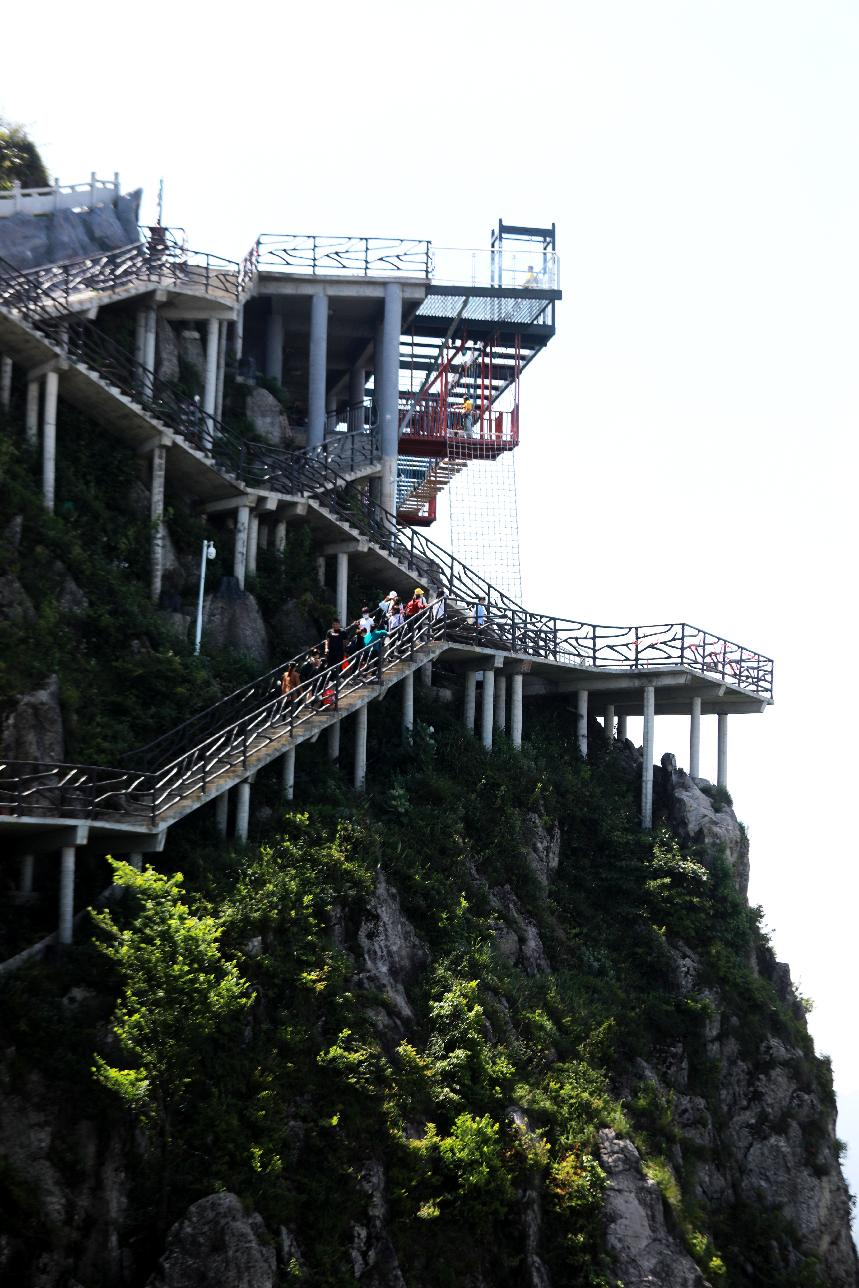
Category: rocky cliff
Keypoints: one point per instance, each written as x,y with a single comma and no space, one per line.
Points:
483,1032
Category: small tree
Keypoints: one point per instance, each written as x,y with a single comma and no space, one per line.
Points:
19,159
178,997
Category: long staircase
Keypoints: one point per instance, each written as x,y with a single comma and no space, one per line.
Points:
187,766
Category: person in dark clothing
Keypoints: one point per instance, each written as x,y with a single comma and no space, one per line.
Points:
335,644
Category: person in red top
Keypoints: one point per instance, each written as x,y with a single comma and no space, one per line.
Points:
417,604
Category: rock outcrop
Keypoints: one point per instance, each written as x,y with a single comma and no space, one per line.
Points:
392,954
15,603
217,1245
703,822
166,351
232,619
267,416
29,242
33,729
646,1254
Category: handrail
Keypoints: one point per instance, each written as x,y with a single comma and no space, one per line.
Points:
58,790
158,258
261,465
312,255
509,627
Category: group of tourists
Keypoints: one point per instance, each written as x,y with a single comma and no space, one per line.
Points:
364,636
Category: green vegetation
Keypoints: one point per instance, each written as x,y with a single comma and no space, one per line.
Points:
215,1021
282,1083
19,159
125,677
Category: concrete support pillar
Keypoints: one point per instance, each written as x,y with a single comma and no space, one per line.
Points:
608,722
501,702
243,809
156,518
49,438
222,362
280,536
5,382
426,674
31,421
342,585
487,709
470,699
274,348
582,722
67,894
136,861
516,710
210,385
388,396
262,536
695,740
222,809
408,687
150,329
26,873
647,761
722,752
317,365
320,569
360,749
240,551
288,780
334,741
621,728
253,543
140,344
357,381
239,334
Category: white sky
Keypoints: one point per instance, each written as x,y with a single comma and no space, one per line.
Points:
687,440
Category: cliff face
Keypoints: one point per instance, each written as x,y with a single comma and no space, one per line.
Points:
491,1036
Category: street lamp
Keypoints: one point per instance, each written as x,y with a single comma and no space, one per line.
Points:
208,552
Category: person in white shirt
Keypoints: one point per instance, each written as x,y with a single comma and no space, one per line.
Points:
365,621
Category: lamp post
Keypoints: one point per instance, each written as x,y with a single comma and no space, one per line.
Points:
208,552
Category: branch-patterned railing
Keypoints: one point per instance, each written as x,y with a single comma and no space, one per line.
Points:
44,306
350,256
159,259
145,796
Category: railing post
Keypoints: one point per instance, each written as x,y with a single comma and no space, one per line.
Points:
555,638
381,658
154,789
594,645
635,664
513,630
366,257
337,689
740,669
682,643
203,777
313,239
724,657
244,746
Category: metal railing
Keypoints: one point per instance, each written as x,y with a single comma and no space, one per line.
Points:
159,259
43,305
55,790
313,256
263,715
